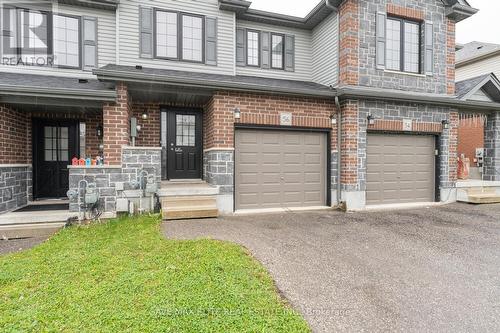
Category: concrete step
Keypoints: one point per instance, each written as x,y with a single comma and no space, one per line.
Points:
29,230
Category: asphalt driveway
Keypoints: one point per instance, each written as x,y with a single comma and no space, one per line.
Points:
431,269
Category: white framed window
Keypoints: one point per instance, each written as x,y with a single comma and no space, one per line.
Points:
277,44
253,48
66,41
403,47
33,44
192,38
166,34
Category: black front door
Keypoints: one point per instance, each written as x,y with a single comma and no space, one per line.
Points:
184,144
55,143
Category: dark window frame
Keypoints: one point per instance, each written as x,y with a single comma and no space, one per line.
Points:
180,37
283,36
402,41
258,47
50,35
80,40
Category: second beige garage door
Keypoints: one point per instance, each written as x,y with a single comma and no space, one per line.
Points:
280,169
400,169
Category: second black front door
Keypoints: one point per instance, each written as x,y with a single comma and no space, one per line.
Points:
184,144
55,143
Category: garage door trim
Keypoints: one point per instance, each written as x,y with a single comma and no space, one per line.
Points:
436,148
438,156
327,131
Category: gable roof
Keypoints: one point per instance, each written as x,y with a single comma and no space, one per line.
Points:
475,51
457,10
489,83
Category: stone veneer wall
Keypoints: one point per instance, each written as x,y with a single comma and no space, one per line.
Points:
492,146
218,169
426,119
441,82
134,159
15,187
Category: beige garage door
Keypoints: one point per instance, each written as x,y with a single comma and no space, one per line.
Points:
280,169
400,169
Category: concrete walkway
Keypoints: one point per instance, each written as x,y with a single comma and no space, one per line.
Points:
431,269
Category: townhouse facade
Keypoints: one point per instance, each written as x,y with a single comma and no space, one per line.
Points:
354,104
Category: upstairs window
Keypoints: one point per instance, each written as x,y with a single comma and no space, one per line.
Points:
253,47
403,45
179,36
166,34
45,39
66,41
278,47
192,38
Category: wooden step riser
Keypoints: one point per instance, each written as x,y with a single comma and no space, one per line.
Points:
186,204
190,214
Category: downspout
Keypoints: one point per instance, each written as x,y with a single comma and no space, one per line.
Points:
339,155
329,5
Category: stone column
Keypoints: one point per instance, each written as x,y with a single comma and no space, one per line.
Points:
116,125
492,148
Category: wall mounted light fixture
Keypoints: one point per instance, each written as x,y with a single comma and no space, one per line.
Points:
99,131
144,116
333,119
237,113
371,119
446,124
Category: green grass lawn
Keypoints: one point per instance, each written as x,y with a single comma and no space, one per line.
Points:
123,276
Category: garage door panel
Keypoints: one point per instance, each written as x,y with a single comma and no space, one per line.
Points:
400,168
288,169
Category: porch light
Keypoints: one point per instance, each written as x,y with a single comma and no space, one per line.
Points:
371,119
446,124
237,113
333,119
144,116
99,131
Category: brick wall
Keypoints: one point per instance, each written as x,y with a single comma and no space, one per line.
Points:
261,110
150,134
450,56
349,43
349,146
470,137
13,136
116,123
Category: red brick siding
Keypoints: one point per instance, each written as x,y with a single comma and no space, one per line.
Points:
150,134
349,146
450,57
470,137
401,11
116,123
397,125
453,146
261,110
13,136
349,43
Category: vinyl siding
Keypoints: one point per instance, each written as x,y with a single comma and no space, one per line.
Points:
106,42
303,54
325,51
479,68
129,35
480,95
